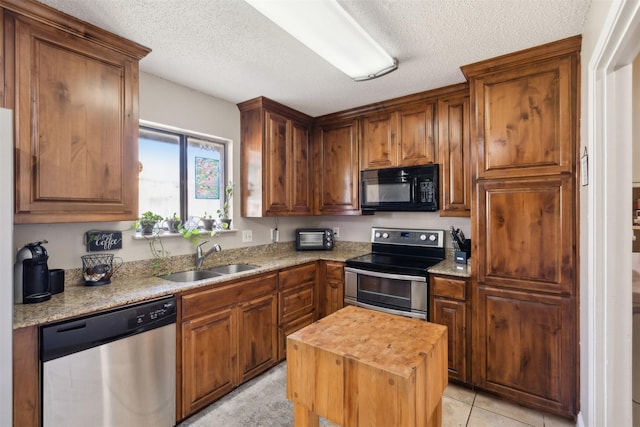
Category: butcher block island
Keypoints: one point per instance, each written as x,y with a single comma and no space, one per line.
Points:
359,367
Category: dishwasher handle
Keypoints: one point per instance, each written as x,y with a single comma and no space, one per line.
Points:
61,339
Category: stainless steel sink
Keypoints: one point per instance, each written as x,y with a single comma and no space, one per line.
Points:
191,275
232,268
194,275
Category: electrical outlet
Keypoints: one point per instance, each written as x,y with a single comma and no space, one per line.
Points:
246,236
275,235
336,232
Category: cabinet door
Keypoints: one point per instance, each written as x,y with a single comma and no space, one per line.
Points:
301,169
333,294
276,165
209,344
337,169
258,336
76,107
287,166
453,314
527,120
379,141
526,347
526,234
453,144
416,135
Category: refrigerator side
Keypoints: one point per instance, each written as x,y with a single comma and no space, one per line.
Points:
6,267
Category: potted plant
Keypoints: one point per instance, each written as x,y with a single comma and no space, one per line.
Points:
207,221
223,212
147,221
173,223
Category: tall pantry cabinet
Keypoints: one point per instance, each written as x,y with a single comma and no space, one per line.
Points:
524,129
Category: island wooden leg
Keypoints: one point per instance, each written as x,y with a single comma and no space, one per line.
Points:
436,416
302,417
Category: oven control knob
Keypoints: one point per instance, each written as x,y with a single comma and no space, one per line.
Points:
385,235
432,237
423,237
378,234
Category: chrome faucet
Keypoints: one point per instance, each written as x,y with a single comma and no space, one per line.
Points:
200,255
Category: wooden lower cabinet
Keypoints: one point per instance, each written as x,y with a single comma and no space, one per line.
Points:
26,377
257,336
331,286
525,347
448,306
297,297
228,335
209,349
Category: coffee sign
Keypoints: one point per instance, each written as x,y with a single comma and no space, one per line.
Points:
103,240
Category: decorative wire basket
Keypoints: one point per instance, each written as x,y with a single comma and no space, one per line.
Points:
97,269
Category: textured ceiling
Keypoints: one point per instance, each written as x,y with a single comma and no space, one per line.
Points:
226,49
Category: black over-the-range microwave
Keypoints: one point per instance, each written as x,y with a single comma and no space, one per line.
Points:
412,188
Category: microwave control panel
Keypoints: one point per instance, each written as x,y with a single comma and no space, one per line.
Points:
427,191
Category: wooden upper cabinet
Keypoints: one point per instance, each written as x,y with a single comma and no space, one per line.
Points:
416,134
276,166
337,175
526,118
74,92
403,137
454,153
379,141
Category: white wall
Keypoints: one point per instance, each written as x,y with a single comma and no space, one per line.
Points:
595,21
611,39
636,120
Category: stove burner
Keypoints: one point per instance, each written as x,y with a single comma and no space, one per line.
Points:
396,251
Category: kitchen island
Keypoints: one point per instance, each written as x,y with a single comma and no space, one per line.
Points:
359,367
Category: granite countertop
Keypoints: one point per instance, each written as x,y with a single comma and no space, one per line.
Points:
79,300
450,268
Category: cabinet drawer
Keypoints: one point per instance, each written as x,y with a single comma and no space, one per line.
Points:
449,288
290,328
335,271
298,275
296,302
221,296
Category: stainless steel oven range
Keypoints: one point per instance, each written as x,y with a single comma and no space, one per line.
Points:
393,278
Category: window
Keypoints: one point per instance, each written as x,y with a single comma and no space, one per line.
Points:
181,173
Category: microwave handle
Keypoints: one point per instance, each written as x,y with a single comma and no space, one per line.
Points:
385,275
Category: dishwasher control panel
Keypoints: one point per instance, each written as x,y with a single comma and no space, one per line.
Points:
74,335
152,312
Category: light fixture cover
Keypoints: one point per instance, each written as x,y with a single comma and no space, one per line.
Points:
327,29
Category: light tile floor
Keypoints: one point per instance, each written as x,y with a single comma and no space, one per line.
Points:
464,407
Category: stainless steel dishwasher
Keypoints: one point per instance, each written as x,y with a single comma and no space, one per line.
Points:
114,368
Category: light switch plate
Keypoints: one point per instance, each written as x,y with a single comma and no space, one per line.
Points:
247,236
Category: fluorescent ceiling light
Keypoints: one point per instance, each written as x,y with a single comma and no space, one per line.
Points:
327,29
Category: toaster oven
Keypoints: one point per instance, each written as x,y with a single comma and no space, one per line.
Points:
314,239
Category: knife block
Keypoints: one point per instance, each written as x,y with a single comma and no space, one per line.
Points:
461,256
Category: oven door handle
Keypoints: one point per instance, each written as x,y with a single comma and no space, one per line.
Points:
422,316
385,275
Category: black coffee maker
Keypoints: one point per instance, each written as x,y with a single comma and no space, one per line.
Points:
31,274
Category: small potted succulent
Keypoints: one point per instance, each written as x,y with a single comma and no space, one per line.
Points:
223,212
148,221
